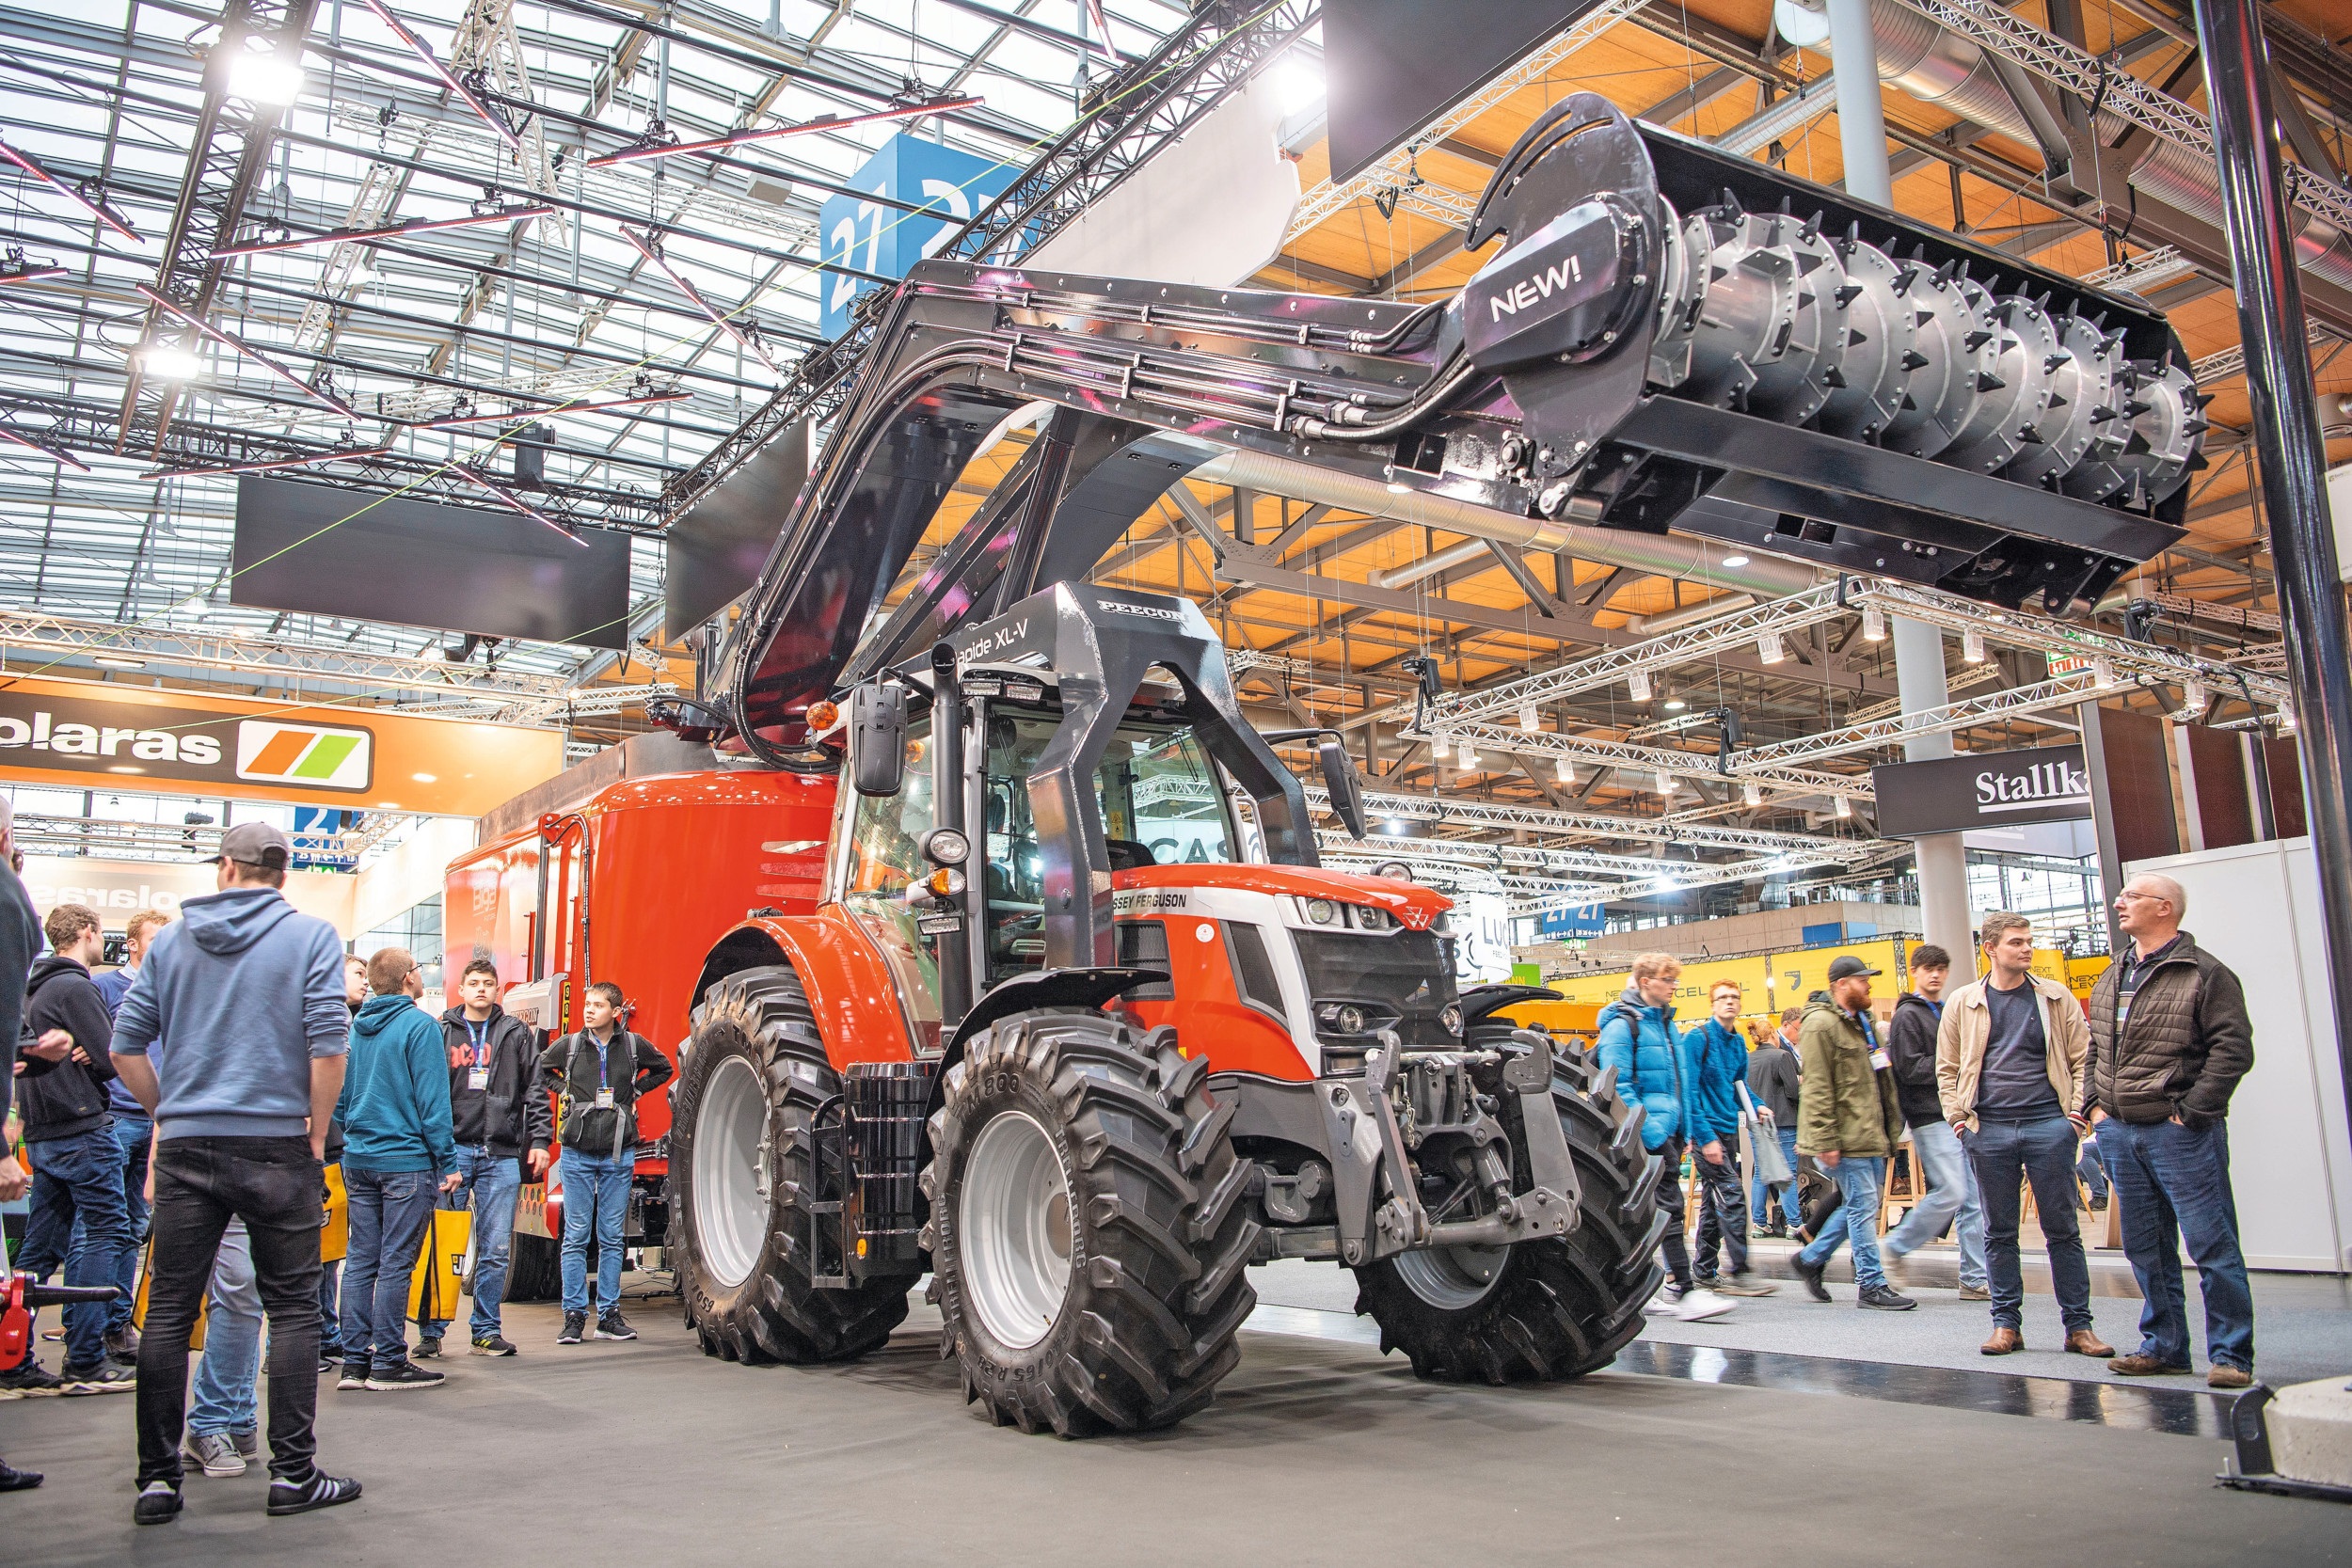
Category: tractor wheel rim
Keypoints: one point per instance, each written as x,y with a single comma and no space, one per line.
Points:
730,1186
1452,1278
1014,1217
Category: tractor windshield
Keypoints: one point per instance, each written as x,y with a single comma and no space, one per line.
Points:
1161,804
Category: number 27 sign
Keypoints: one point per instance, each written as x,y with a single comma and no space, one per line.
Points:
876,237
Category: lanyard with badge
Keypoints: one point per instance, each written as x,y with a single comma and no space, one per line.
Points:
604,1074
1880,1060
478,1054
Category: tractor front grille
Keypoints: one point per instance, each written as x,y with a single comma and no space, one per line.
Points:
1405,977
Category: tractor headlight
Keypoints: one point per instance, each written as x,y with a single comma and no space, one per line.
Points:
945,847
1343,1018
1451,1017
1322,911
1369,919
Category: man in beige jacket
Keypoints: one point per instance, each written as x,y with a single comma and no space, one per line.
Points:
2007,1057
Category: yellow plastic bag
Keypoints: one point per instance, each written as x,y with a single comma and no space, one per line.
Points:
440,1274
138,1304
334,1237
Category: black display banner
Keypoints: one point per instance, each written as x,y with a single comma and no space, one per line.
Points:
1985,789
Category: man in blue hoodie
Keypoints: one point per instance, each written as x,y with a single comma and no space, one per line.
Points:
1655,1071
1721,1055
233,1038
398,1154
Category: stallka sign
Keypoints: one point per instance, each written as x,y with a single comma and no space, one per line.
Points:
1987,790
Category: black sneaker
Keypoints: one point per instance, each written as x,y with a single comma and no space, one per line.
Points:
1885,1298
492,1344
122,1344
320,1491
614,1326
158,1504
355,1375
1811,1274
575,1328
405,1376
14,1480
429,1349
104,1378
31,1379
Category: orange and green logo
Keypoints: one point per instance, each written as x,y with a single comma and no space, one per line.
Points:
311,756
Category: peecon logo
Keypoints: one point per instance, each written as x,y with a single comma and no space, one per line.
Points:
312,756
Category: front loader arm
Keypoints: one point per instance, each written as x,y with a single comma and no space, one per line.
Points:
1670,337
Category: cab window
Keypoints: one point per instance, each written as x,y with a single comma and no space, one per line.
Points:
883,862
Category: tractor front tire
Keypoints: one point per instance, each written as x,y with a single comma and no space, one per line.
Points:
1540,1311
1088,1235
747,1089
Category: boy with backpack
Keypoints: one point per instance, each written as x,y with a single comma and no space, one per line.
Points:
600,1074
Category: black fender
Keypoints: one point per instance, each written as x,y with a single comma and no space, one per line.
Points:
1481,1001
1087,988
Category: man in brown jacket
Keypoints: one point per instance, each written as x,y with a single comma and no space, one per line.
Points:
2006,1058
1848,1120
2169,1038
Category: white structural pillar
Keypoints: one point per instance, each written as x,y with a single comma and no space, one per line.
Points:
1942,859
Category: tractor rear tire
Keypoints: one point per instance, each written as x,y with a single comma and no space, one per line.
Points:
1088,1235
534,1269
1556,1308
749,1085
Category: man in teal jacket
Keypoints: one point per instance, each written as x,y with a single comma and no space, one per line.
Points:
1720,1056
398,1153
1656,1071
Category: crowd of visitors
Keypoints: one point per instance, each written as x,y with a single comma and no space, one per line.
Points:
198,1095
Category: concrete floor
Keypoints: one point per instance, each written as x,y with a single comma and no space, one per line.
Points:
1318,1450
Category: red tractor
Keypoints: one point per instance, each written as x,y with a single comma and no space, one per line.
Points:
1069,1017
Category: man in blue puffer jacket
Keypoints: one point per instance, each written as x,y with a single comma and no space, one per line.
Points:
1655,1070
1721,1056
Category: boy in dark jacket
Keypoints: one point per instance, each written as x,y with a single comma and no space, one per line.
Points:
501,1123
77,1165
601,1072
1935,1148
1721,1057
1774,1083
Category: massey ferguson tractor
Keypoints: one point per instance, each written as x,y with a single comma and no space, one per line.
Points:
1071,1019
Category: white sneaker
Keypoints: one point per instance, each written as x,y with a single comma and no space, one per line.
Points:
1697,1306
1663,1304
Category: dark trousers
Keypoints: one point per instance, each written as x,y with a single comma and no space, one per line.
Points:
2006,1155
389,1211
1670,1205
77,1181
1723,1213
131,1134
273,1184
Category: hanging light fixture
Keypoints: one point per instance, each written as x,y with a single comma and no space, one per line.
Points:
1753,793
1468,757
1665,783
1843,807
1972,645
1639,682
2286,716
1873,623
1771,649
2193,696
1529,721
1440,745
2101,670
1566,769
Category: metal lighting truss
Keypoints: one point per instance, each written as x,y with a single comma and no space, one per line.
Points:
2089,79
1143,108
1695,642
1395,171
1510,741
60,638
1542,819
2142,273
1891,729
174,842
2218,367
1529,874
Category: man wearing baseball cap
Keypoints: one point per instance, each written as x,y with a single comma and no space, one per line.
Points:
234,1038
1848,1120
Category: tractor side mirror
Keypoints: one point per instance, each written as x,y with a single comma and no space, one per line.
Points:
1344,785
878,737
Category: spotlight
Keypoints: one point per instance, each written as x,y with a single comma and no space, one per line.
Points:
1528,720
2193,696
2103,670
1972,645
166,363
1468,758
264,78
1873,623
1735,561
1566,769
1638,682
1843,807
1440,745
1674,704
1665,783
1753,793
117,661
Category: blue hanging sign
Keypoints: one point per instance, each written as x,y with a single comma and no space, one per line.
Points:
881,239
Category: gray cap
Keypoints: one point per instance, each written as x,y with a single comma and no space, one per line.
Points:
1847,967
255,844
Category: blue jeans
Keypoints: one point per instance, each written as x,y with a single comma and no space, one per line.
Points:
225,1377
2173,1179
1951,1195
492,1185
2006,1155
596,1202
77,1179
1761,1203
1854,1221
131,1136
2094,1175
389,1211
